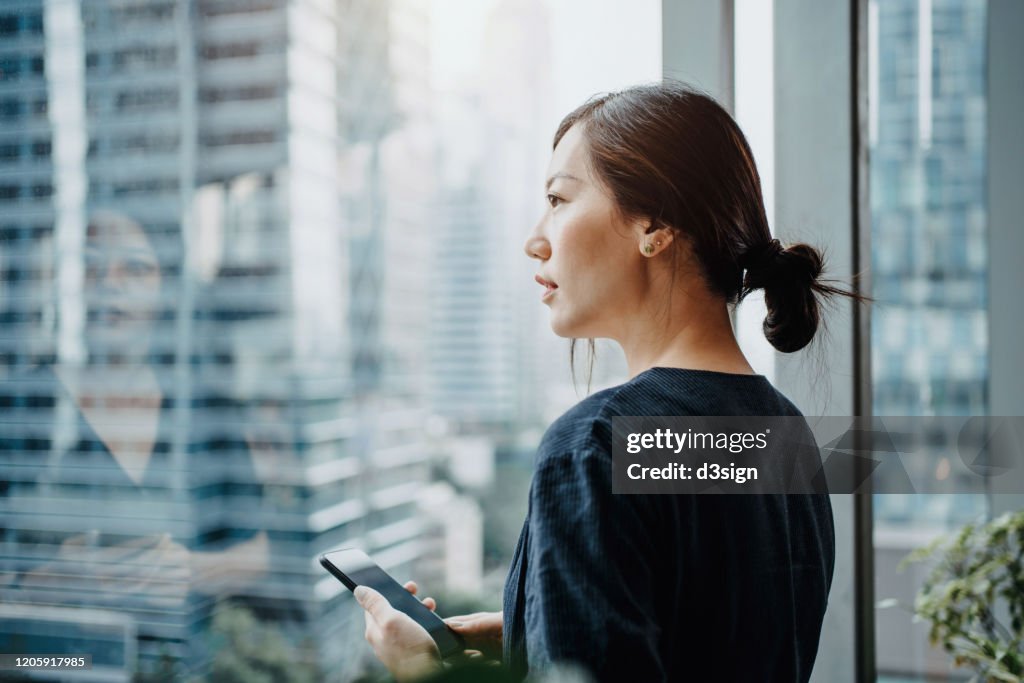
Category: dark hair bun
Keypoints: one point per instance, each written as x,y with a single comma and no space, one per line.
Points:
789,278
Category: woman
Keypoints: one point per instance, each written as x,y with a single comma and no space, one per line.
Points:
655,226
99,442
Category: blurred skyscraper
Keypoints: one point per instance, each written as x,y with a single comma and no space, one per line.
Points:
277,155
927,113
929,245
497,366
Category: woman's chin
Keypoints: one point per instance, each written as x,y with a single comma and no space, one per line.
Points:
563,327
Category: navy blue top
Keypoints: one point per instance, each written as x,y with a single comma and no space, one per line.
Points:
43,472
665,587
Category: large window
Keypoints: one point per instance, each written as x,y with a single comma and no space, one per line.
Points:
263,294
929,346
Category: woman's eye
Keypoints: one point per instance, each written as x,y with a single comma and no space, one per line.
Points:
554,200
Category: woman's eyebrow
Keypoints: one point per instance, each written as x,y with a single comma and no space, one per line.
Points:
558,175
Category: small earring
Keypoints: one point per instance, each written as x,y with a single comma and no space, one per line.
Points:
648,248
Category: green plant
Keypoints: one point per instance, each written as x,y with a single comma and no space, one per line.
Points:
977,570
251,651
166,670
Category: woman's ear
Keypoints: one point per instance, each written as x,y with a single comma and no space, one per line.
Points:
653,239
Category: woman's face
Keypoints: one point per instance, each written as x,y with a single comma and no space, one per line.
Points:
122,284
585,248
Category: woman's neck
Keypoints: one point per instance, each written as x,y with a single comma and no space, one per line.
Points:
122,406
703,339
113,379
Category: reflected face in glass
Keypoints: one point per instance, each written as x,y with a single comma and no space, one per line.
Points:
585,248
122,283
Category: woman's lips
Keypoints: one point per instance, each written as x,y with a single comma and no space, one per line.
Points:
549,287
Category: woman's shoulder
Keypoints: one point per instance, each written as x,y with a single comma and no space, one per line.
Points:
587,426
695,392
583,427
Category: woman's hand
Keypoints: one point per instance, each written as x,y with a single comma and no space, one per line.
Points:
482,632
161,574
153,569
402,645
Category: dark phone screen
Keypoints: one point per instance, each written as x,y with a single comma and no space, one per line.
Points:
355,568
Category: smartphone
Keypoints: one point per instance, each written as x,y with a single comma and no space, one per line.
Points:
355,568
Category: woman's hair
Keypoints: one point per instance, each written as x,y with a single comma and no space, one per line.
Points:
672,155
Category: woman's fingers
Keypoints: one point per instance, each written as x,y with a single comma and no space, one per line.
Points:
375,604
465,622
469,656
481,630
370,625
401,644
429,603
131,552
165,556
78,541
466,618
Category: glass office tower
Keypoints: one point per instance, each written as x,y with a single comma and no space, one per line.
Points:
190,271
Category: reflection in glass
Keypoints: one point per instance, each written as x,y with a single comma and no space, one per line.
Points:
263,295
105,496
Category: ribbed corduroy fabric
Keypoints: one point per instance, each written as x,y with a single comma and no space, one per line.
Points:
648,588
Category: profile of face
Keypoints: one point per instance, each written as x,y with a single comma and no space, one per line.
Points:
122,285
590,253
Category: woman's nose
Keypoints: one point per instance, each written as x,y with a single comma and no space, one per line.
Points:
537,246
114,276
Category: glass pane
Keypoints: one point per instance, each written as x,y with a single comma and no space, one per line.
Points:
929,260
263,294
